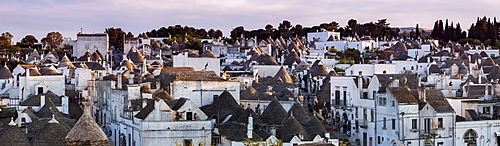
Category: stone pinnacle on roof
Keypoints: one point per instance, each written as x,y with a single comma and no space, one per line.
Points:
11,123
53,120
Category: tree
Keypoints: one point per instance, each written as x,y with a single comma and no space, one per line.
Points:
116,36
237,32
53,40
28,40
417,32
6,39
285,25
129,35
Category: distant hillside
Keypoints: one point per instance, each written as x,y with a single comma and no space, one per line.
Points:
425,31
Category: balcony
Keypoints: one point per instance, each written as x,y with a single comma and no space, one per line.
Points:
363,124
486,115
339,103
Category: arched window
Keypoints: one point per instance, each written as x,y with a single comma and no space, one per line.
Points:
384,72
470,137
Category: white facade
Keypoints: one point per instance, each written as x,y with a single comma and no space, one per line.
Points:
91,42
266,70
162,125
371,69
202,92
33,85
322,36
199,64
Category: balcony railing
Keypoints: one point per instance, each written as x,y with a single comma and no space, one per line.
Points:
339,103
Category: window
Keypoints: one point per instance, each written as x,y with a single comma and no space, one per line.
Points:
40,90
378,139
427,125
486,110
393,103
385,123
393,124
440,122
356,111
365,95
372,115
189,116
413,123
382,101
187,142
470,137
345,98
337,97
364,115
384,72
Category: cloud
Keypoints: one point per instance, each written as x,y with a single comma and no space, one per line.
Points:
38,17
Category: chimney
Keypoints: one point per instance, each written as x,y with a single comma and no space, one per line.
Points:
250,127
144,68
224,75
119,84
100,76
273,131
256,75
327,135
42,100
131,79
486,90
92,74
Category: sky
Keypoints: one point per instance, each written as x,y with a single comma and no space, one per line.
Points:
39,17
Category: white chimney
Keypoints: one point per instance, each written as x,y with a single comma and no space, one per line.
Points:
119,84
42,100
250,127
131,79
273,131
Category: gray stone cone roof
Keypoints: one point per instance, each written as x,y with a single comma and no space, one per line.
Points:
49,71
291,58
86,129
50,134
318,69
314,127
135,56
274,113
65,62
208,54
34,72
86,56
283,75
14,136
5,73
291,127
400,51
299,113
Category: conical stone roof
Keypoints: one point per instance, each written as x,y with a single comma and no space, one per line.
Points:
86,131
14,136
274,113
5,73
299,113
65,62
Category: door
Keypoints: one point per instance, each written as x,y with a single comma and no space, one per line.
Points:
364,139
